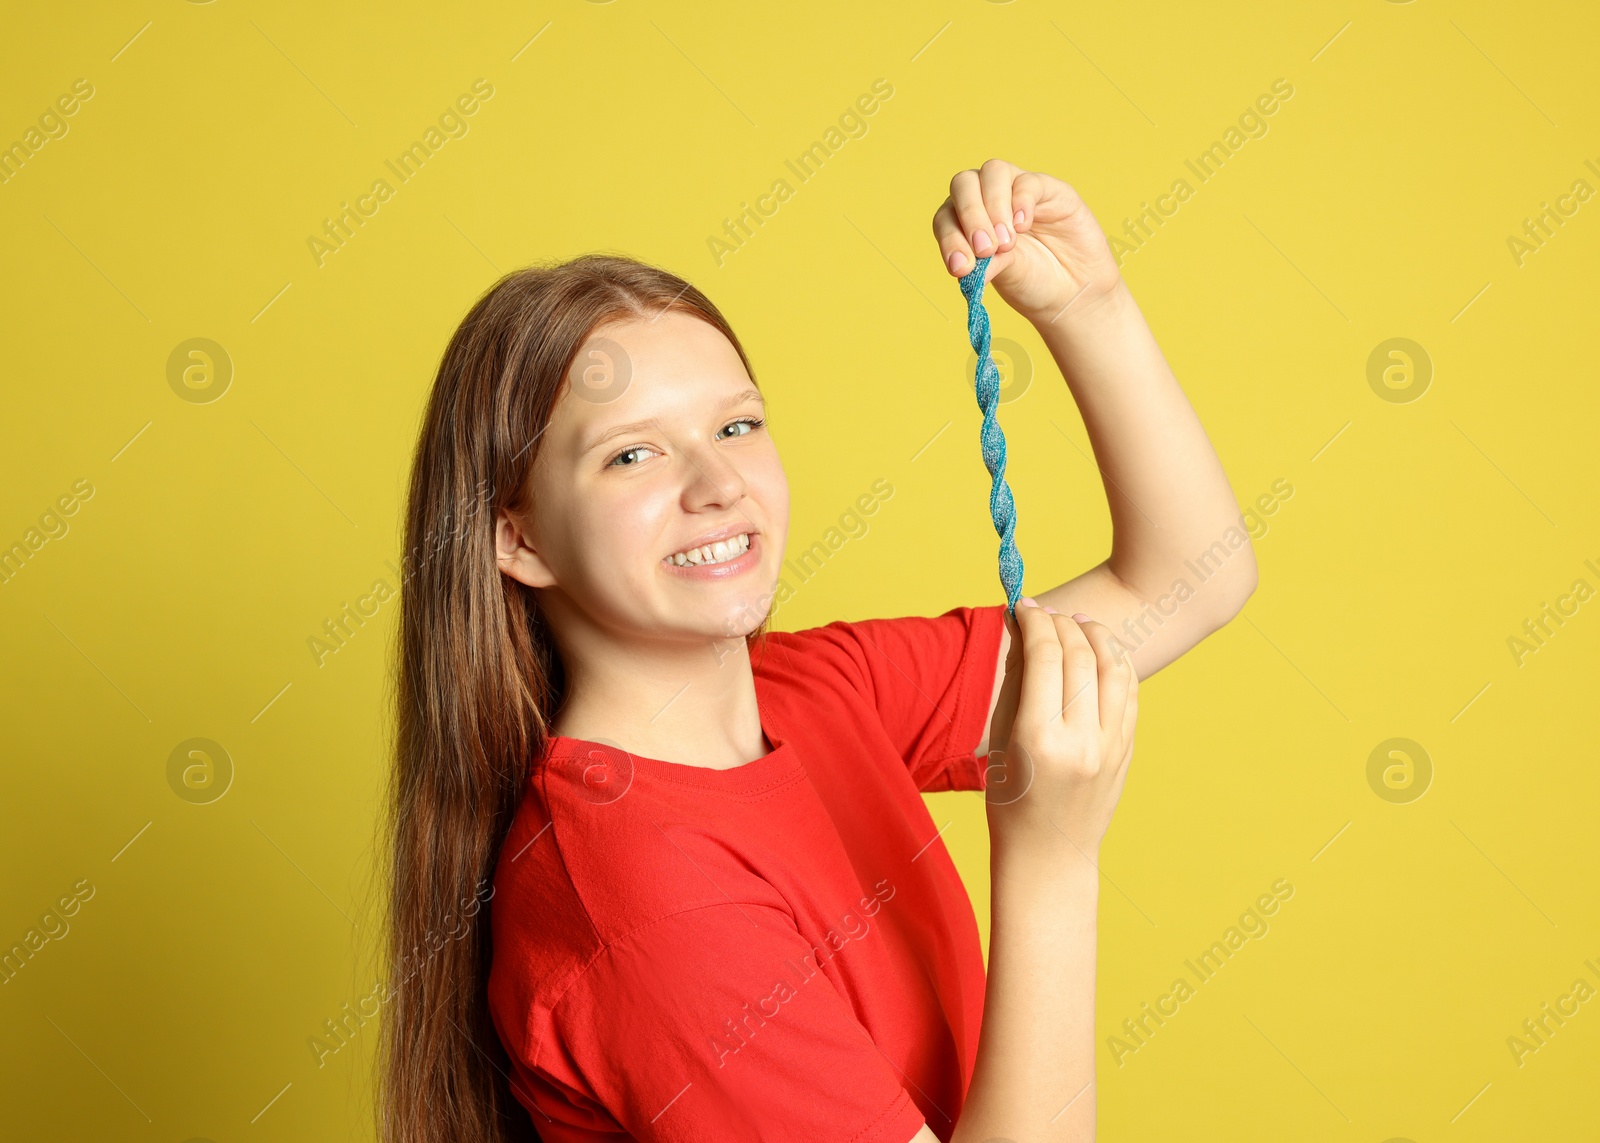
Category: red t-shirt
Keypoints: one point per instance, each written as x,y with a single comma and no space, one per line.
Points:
778,951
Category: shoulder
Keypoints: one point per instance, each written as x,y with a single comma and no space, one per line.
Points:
584,859
865,654
824,653
594,853
540,929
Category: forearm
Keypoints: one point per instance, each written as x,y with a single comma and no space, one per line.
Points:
1035,1069
1169,497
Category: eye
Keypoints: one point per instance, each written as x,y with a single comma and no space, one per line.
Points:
612,463
751,425
754,423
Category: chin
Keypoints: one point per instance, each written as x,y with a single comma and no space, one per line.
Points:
745,616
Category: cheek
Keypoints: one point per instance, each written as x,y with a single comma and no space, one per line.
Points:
768,486
622,528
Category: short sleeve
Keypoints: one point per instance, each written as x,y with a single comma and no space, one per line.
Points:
930,679
717,1023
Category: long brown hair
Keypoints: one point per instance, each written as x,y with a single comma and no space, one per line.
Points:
477,682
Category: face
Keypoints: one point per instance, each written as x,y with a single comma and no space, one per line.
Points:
658,439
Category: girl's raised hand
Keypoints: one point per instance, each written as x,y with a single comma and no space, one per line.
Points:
1063,767
1047,249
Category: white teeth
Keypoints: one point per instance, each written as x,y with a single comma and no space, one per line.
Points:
715,553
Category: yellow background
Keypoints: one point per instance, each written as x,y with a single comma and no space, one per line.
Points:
1378,205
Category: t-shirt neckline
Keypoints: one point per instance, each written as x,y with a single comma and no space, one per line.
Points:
778,764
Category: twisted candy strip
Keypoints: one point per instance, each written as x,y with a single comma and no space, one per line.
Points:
1001,506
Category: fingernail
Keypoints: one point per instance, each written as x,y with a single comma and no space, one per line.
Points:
981,242
1081,617
1028,601
1018,219
1051,610
1002,234
957,261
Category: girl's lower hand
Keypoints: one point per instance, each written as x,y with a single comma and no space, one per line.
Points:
1063,766
1047,250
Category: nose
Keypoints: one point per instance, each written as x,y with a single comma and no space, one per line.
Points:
711,479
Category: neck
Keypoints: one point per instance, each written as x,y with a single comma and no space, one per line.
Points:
695,705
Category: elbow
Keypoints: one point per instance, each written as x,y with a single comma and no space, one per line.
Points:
1249,577
1240,585
1223,595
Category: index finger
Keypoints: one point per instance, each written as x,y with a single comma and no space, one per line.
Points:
1115,673
995,179
1080,677
1042,663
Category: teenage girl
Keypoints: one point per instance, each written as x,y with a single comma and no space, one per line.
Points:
660,873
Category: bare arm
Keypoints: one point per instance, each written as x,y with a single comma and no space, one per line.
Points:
1049,801
1065,699
1035,1072
1181,563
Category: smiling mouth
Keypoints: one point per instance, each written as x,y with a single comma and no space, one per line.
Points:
708,555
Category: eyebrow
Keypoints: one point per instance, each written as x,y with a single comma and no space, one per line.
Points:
652,422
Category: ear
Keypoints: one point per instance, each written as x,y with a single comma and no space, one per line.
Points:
515,555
